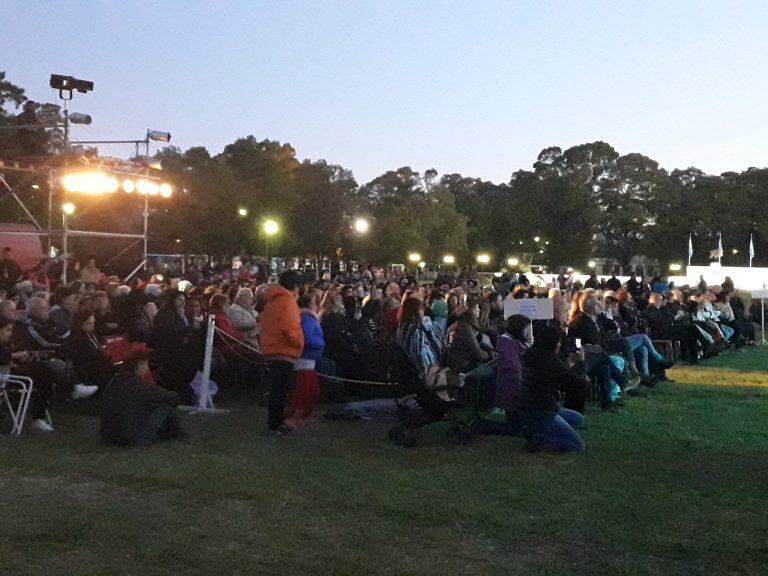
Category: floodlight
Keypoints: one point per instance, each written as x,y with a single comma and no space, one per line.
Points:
675,267
78,118
70,83
483,258
422,265
513,261
166,190
159,136
147,187
591,264
414,257
448,259
89,182
243,212
68,208
536,238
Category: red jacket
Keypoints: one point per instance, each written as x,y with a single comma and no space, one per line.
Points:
280,324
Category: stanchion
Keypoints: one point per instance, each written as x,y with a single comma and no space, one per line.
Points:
204,396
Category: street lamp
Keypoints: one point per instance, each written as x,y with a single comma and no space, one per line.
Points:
448,259
536,238
362,225
675,267
242,212
591,264
270,229
414,257
68,208
513,261
483,258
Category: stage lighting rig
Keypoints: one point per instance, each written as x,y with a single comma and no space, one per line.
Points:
69,84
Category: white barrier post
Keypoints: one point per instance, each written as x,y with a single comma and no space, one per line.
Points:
205,400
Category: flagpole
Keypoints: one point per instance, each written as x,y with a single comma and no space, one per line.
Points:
690,249
751,250
720,249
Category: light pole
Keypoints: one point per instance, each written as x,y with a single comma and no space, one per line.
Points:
415,258
270,229
67,209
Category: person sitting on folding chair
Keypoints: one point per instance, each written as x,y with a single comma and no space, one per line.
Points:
22,363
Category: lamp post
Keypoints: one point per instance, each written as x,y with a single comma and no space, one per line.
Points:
270,229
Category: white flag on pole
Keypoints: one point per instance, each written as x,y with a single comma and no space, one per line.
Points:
690,249
720,247
751,249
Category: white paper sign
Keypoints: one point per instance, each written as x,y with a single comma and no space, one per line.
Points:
758,294
533,308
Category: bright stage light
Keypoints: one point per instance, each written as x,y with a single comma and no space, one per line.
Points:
89,182
147,187
166,190
513,261
68,208
129,186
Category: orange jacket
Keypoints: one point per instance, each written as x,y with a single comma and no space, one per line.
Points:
280,324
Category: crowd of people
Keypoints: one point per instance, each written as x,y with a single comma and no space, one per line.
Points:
604,340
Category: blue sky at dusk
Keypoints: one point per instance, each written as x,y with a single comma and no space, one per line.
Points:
472,87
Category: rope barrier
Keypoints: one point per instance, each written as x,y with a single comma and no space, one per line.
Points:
326,376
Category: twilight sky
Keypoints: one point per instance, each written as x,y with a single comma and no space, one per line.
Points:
472,87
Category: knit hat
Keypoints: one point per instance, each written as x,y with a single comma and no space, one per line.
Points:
440,310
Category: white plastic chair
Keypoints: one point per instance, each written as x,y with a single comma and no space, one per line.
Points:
21,387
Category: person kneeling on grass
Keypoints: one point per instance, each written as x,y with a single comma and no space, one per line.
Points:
544,423
135,412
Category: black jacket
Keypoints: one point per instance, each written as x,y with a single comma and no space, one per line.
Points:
90,363
586,329
126,404
661,322
544,375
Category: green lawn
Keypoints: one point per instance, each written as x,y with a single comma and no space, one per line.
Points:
675,484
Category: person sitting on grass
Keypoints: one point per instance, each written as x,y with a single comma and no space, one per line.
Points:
544,423
135,412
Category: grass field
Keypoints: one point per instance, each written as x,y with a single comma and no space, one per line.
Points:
675,484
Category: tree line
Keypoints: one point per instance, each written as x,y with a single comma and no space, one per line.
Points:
573,205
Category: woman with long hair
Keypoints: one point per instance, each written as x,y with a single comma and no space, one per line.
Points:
418,337
92,366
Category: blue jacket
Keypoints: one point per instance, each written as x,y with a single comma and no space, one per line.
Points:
314,343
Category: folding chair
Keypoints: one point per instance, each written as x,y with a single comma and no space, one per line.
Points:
21,387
